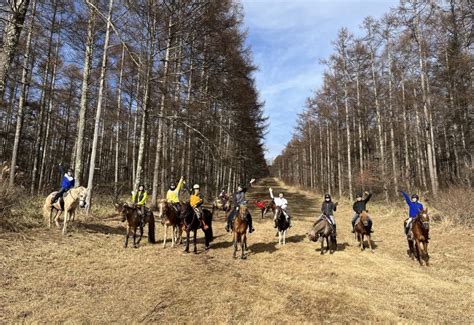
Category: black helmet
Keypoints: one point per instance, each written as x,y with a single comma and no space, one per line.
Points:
415,196
141,185
327,196
359,195
70,170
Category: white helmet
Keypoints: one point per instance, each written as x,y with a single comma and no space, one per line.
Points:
196,186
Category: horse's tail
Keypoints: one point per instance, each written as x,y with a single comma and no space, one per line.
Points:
151,229
47,207
208,220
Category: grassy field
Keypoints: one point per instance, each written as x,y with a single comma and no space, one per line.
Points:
88,276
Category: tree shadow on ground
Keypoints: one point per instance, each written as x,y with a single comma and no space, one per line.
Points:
102,229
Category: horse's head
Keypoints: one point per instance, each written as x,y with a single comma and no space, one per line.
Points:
243,209
121,208
424,219
161,208
82,197
364,218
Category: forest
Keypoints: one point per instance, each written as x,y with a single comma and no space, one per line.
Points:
125,93
395,109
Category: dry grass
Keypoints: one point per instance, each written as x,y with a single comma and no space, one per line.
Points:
88,276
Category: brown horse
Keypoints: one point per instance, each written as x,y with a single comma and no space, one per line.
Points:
170,218
362,229
71,200
130,214
239,230
220,205
322,228
418,237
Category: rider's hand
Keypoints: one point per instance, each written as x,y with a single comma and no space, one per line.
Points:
252,180
366,192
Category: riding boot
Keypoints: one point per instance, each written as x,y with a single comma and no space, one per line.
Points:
335,232
249,218
275,223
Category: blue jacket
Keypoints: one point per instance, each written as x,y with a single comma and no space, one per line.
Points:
67,182
414,207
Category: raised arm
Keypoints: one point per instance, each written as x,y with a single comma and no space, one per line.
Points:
407,198
271,192
369,195
180,184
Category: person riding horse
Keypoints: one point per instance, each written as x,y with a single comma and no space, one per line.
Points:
172,196
238,199
327,208
224,197
282,203
359,206
197,200
139,201
414,208
66,184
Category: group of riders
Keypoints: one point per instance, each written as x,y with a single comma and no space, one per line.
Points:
196,200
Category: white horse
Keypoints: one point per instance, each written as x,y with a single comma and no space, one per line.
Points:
282,225
73,198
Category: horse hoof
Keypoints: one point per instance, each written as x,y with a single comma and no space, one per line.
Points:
372,251
135,246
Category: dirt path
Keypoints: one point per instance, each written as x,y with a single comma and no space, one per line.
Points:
88,276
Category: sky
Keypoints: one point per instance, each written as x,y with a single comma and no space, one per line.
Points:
288,38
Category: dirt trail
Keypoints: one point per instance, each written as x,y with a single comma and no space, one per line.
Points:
88,276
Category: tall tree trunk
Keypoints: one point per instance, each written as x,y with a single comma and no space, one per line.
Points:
25,84
117,125
12,33
81,124
103,70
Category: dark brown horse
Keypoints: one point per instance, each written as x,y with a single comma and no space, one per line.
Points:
192,223
362,230
322,228
170,218
130,214
418,237
239,230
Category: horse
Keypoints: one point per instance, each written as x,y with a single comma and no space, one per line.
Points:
282,225
239,230
218,205
418,237
192,223
69,202
170,218
324,229
130,214
362,229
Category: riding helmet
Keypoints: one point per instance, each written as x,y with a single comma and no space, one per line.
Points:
172,187
196,187
141,185
327,196
359,195
415,196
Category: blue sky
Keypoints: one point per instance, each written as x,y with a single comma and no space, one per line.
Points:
288,38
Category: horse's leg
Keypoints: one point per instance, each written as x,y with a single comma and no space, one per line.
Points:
235,245
369,239
56,218
411,249
242,245
135,237
126,237
322,246
141,235
187,241
66,216
418,251
173,235
165,226
427,256
279,237
195,241
362,246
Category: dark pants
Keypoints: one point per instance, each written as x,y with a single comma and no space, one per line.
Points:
59,194
232,215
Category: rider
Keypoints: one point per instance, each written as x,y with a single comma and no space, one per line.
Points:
172,196
197,200
414,208
66,184
327,208
281,202
238,199
139,200
359,206
224,197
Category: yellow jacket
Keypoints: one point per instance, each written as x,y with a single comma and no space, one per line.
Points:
139,197
196,200
173,196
